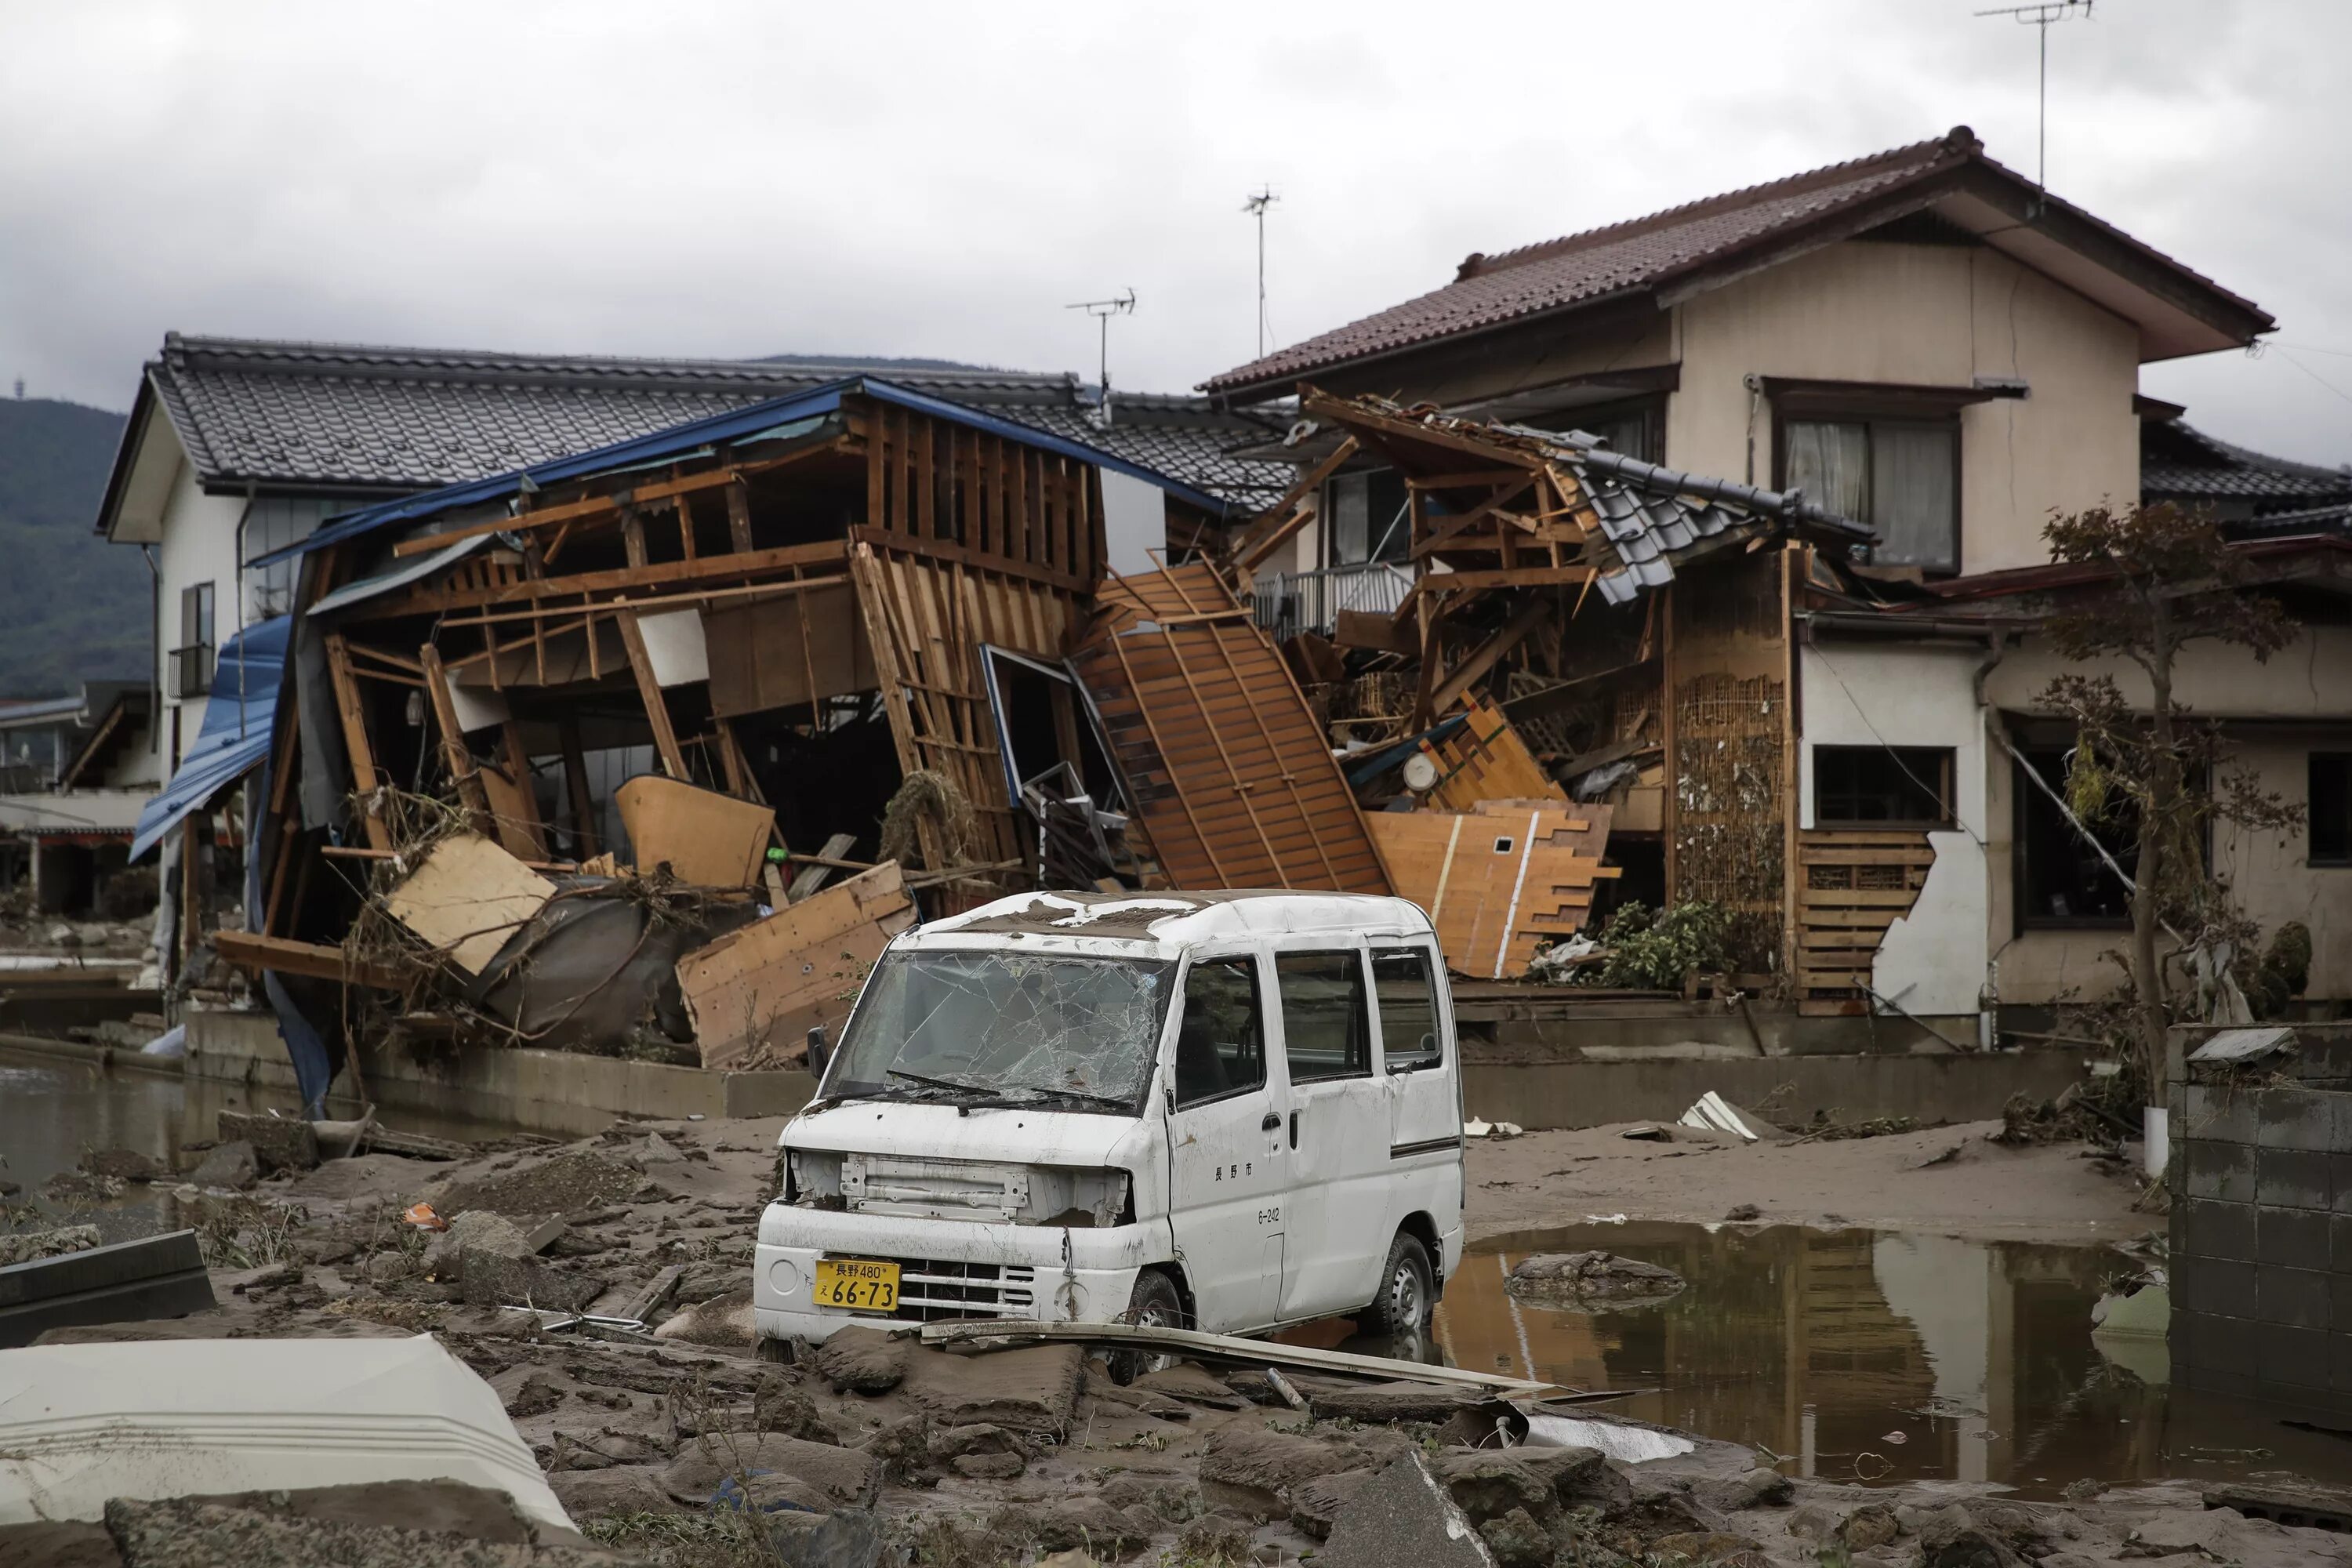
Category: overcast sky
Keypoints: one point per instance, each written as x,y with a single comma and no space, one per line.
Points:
702,177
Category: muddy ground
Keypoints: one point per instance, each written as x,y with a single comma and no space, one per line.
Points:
1006,1456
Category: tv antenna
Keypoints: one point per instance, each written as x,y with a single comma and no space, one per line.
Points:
1255,208
1103,311
2042,16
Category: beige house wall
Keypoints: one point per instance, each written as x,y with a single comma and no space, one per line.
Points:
1925,315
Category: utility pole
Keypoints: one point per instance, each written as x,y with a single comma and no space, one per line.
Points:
1103,311
1255,208
2042,17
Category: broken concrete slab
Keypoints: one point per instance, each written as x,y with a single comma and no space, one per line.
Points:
1402,1518
1315,1504
279,1143
233,1166
816,1475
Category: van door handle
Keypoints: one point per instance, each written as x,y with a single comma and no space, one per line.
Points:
1272,1119
1294,1130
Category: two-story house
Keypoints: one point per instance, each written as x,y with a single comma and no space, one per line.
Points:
1926,341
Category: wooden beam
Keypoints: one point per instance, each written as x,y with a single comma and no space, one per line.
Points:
739,516
1450,527
1522,577
1475,665
657,706
1269,530
712,568
254,952
464,771
978,560
355,735
575,783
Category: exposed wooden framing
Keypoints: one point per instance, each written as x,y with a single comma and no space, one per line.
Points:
1273,526
685,505
288,835
1449,528
457,755
1482,658
608,606
944,550
575,783
355,736
1524,577
738,515
632,538
590,506
715,569
255,953
641,665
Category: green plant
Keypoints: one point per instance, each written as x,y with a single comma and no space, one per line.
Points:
1651,951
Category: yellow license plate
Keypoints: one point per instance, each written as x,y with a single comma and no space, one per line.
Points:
854,1285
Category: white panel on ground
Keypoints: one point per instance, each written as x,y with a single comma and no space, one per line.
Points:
1135,521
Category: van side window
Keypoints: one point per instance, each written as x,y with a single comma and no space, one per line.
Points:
1408,1000
1325,1027
1221,1042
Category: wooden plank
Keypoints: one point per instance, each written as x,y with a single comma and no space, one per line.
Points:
706,838
649,691
1482,658
1275,526
754,994
1495,881
568,511
1518,577
465,773
575,781
361,754
254,953
467,897
739,516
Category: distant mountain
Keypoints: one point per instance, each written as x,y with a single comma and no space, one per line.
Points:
72,606
882,362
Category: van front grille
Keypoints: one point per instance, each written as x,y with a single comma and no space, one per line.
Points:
930,1290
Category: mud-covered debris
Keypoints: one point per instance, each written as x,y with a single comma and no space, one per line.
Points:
1404,1519
535,1395
1759,1488
30,1246
1953,1537
1171,1497
1517,1540
82,1187
1742,1214
858,1359
1592,1282
723,1322
565,1184
233,1166
123,1165
815,1475
1092,1525
281,1143
186,1532
1213,1538
495,1263
614,1489
1381,1402
1315,1504
1032,1390
1872,1524
1252,1471
1711,1547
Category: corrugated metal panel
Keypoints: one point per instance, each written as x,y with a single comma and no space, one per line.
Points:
1221,756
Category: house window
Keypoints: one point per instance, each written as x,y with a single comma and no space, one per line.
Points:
2330,806
1902,476
2061,879
1899,786
192,661
1369,521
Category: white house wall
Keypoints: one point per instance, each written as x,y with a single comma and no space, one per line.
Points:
199,546
1932,960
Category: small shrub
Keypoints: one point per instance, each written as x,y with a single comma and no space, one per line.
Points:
1650,951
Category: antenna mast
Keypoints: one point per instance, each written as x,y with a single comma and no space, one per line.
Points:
1103,311
2041,16
1255,208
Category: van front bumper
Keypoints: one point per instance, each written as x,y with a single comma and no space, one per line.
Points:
947,1269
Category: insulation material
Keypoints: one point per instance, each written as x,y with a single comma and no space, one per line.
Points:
1498,880
1219,754
788,651
1485,760
163,1418
754,994
467,898
707,839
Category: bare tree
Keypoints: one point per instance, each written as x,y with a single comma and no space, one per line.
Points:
2172,581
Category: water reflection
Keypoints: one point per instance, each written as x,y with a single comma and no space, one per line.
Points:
52,1110
1869,1355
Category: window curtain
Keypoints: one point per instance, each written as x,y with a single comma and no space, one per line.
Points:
1915,496
1831,463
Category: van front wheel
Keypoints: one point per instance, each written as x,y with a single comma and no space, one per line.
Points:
1406,1295
1155,1304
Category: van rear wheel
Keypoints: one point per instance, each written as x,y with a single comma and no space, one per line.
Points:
1407,1293
1155,1304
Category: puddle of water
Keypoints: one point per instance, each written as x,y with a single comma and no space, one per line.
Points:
1861,1355
53,1110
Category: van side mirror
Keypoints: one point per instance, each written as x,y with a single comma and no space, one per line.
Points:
819,1053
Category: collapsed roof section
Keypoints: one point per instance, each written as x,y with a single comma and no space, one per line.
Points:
1504,505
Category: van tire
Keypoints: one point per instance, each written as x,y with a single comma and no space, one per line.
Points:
1154,1301
1407,1295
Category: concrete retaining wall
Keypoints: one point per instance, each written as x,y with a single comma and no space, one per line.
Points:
2260,1265
1945,1088
543,1091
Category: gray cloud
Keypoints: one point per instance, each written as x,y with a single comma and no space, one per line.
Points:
721,178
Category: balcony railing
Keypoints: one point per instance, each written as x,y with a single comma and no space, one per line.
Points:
1288,603
191,669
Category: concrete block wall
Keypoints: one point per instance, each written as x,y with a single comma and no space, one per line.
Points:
2261,1180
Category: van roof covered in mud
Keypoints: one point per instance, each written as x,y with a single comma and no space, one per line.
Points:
1172,921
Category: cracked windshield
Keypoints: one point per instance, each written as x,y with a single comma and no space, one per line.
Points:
1005,1028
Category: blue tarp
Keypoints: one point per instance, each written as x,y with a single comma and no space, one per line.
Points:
239,716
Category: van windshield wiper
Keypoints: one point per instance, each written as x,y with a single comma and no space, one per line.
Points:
1114,1102
931,1082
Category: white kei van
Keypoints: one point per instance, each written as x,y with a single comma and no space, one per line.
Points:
1229,1111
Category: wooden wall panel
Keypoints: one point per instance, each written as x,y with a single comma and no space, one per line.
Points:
1852,884
1497,880
1222,757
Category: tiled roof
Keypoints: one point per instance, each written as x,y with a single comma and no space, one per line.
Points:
1649,252
342,417
2180,462
2337,519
